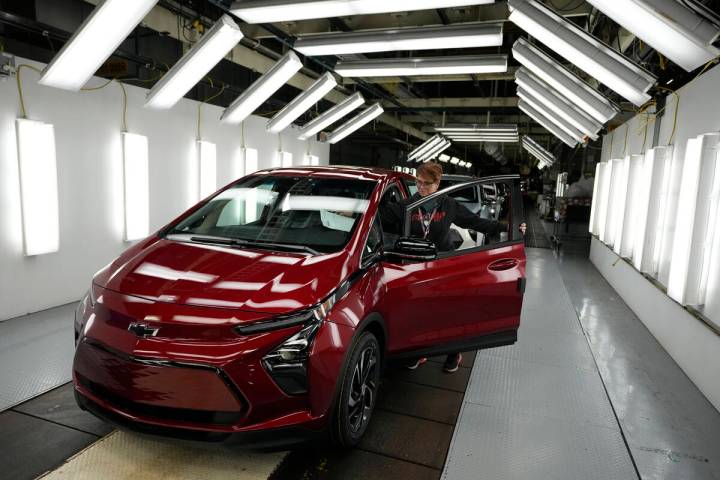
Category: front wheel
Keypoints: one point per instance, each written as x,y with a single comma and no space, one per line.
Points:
358,393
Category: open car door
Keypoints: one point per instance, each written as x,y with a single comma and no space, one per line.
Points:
467,297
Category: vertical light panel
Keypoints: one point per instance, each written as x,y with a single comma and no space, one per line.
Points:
312,160
635,186
710,244
207,163
136,186
610,220
38,186
649,208
250,160
604,200
283,159
619,204
594,207
691,245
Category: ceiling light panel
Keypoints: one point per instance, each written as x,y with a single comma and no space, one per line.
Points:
582,49
435,151
564,81
557,120
195,64
96,39
331,116
424,38
425,147
668,26
476,128
354,123
547,124
388,67
267,11
557,103
485,139
302,103
262,89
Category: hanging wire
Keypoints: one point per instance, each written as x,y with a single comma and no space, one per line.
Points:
19,85
677,107
222,89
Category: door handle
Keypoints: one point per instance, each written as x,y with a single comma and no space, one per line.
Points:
503,264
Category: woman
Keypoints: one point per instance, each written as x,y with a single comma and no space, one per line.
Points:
432,221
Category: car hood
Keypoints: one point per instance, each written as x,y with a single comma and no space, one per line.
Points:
216,276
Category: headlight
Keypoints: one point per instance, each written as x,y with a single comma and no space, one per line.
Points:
80,312
287,363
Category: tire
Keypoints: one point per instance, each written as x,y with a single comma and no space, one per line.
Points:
356,400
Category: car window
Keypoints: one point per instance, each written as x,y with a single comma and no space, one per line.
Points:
374,242
463,232
411,186
466,195
320,213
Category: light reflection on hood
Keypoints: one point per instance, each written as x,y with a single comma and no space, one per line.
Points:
166,273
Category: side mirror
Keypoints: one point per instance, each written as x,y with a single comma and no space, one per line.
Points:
413,249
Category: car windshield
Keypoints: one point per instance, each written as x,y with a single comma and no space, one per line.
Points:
274,211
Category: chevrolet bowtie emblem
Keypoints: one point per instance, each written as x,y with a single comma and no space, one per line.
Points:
142,330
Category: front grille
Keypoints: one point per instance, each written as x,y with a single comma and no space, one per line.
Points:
158,412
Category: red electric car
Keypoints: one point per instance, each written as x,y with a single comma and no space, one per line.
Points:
265,313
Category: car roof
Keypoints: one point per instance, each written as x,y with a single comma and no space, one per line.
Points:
462,178
347,171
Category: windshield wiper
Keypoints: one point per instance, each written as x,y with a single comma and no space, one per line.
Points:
237,242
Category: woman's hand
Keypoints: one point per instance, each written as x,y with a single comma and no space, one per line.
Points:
523,228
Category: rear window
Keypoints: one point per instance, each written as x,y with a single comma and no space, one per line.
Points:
463,195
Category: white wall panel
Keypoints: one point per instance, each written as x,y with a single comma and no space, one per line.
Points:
90,180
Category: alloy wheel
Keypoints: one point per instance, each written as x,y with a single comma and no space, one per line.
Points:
363,388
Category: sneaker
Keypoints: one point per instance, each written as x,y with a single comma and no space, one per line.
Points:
416,364
452,363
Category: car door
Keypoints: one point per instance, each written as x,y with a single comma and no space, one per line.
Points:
468,297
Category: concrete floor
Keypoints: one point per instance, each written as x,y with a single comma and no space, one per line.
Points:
586,393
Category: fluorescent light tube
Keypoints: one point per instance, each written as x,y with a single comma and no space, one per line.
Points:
649,208
207,166
633,195
136,186
604,203
284,159
536,150
38,186
302,103
434,151
311,160
485,139
250,160
454,160
395,39
564,81
354,123
416,150
577,46
595,197
262,89
195,64
668,26
561,123
426,147
96,39
475,128
331,116
547,124
387,67
269,11
557,103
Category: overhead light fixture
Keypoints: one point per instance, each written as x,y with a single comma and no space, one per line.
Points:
557,104
354,123
434,151
270,11
454,160
558,121
604,200
395,39
195,64
261,89
564,81
136,186
96,39
444,158
38,186
536,150
425,146
207,168
408,67
488,139
669,26
547,123
302,103
495,129
331,116
650,201
582,49
468,164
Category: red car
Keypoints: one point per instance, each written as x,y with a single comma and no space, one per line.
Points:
265,312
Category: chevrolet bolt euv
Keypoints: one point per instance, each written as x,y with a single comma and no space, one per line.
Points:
265,313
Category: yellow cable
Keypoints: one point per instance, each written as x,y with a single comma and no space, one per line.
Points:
125,102
627,128
19,85
207,100
677,107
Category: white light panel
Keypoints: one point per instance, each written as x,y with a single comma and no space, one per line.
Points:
268,11
262,89
592,228
386,67
605,200
547,123
38,186
331,116
649,207
302,103
195,64
634,192
207,165
96,39
582,49
250,160
312,160
136,186
284,159
363,118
